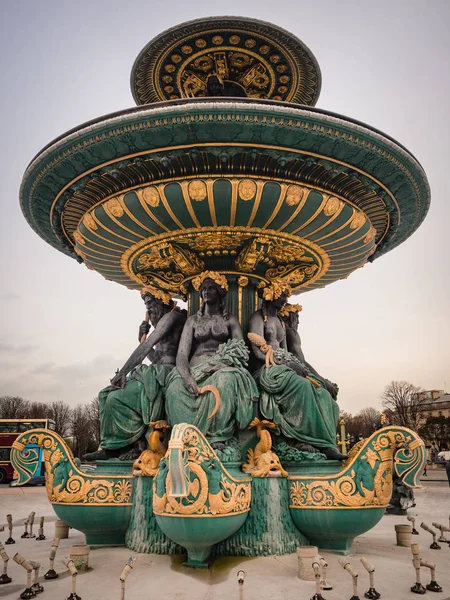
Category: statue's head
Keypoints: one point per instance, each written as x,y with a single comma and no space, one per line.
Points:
156,302
277,292
289,314
214,86
212,288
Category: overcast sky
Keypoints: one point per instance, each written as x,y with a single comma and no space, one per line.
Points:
64,330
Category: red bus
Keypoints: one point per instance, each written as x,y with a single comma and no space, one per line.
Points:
10,429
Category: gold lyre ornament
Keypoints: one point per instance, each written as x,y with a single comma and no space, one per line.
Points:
275,289
158,294
290,308
221,280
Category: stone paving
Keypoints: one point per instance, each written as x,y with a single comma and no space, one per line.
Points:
164,577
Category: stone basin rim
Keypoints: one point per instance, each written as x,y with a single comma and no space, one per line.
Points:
290,108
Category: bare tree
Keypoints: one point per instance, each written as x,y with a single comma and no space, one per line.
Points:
60,413
80,429
363,423
13,407
370,419
94,415
38,410
401,399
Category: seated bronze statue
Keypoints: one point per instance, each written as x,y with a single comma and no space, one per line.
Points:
293,395
136,394
212,354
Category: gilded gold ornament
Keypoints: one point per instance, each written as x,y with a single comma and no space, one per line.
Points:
218,278
89,222
290,308
275,289
209,489
247,189
295,194
78,237
150,195
197,190
114,206
358,220
332,206
158,294
262,461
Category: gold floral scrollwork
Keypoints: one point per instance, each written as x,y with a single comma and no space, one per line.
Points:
115,207
216,241
186,261
197,190
332,206
89,222
292,274
358,219
289,252
78,237
252,254
295,194
65,483
164,279
149,195
247,189
153,260
242,281
210,490
366,477
163,255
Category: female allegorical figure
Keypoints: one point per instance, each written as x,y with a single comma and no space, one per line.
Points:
293,395
211,352
129,404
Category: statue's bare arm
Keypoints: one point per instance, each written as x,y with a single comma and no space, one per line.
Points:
184,351
256,325
163,328
235,329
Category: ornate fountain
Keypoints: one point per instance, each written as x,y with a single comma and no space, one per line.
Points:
225,167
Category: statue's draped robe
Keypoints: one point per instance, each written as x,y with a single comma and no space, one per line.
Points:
236,387
126,413
301,410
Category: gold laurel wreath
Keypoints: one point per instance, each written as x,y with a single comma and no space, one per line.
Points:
221,280
158,294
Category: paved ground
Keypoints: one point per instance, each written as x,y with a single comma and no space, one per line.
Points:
165,578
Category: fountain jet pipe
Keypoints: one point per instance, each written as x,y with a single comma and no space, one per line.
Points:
417,588
441,528
324,583
10,527
433,586
51,573
345,564
25,533
31,523
123,577
434,545
4,577
41,535
371,593
74,572
413,521
317,575
36,587
21,560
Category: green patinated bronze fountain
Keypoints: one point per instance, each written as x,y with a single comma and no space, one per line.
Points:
226,188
